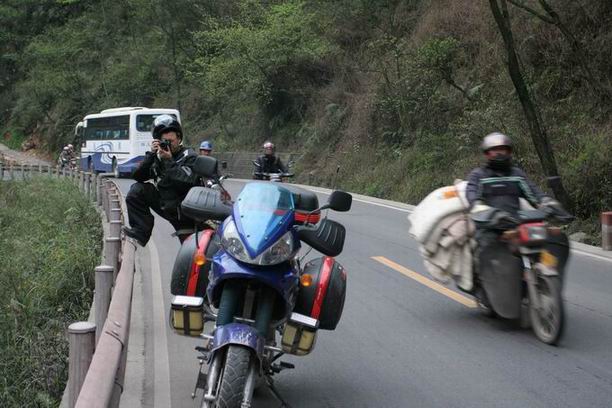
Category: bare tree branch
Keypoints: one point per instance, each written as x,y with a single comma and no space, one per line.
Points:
528,9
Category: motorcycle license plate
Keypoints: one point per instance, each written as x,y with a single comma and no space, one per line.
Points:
547,259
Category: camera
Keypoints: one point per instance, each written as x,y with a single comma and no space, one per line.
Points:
164,144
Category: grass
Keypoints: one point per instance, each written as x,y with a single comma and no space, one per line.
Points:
50,242
12,138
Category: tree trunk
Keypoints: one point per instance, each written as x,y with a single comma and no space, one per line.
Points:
538,133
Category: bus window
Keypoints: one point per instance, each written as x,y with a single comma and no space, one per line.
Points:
109,128
144,123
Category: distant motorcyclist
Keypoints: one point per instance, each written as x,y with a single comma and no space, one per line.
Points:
206,148
170,166
501,185
65,157
268,162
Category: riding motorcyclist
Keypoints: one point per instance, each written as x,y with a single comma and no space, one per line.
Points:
499,184
65,157
170,166
206,148
268,162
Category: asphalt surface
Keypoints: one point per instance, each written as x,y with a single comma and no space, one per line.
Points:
399,343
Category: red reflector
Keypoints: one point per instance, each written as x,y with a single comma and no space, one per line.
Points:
303,217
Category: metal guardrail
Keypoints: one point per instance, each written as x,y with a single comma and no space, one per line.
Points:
96,377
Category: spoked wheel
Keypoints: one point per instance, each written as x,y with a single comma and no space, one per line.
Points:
548,320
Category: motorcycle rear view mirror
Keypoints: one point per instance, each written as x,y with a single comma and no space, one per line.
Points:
224,165
205,166
339,201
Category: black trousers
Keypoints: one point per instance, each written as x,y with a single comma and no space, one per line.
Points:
140,200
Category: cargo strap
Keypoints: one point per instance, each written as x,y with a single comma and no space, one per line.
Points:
194,273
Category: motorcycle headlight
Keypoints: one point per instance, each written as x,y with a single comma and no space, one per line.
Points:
281,251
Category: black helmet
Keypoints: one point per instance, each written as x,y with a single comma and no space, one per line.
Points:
495,139
164,124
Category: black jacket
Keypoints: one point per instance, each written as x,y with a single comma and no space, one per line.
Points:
502,189
174,177
270,164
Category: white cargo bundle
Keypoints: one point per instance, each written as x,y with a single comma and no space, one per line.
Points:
440,223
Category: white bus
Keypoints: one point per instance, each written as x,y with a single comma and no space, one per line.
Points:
115,140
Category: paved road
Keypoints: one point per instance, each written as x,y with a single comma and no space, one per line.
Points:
400,343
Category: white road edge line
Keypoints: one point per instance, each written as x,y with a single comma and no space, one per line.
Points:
365,201
161,359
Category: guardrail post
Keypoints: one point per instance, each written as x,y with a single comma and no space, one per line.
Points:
112,247
81,340
40,166
1,168
102,295
93,188
100,193
11,175
109,193
115,219
606,231
24,167
105,194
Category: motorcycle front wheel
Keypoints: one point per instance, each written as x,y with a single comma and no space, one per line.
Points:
547,321
234,377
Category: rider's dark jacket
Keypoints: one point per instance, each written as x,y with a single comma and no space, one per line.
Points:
502,189
173,177
270,164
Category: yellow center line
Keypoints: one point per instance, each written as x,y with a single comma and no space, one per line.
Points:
464,300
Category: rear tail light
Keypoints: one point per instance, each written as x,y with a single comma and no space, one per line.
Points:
311,218
532,234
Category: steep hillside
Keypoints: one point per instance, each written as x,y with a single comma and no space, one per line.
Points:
398,93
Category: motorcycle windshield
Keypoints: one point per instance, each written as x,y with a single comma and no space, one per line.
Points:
263,212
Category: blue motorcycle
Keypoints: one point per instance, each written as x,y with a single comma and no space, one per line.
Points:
263,302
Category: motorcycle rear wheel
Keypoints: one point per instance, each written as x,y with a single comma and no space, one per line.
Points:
548,322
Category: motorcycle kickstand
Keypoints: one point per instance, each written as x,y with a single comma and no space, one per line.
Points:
275,393
201,380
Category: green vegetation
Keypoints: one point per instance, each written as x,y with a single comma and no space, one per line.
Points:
50,243
397,92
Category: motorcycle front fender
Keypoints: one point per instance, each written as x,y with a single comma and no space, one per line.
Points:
239,334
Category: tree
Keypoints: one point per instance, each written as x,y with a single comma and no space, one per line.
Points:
530,109
550,16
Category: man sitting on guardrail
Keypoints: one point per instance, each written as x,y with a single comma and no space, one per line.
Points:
170,166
